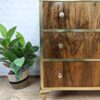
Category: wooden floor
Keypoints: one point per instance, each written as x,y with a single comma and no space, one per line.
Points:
32,92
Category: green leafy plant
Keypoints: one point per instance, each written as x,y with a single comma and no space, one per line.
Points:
16,54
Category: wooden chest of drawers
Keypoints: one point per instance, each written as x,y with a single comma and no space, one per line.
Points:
70,45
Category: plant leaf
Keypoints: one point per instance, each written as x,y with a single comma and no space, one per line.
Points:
22,41
3,30
19,61
35,48
14,42
1,39
7,64
5,43
28,49
32,56
17,51
17,64
2,59
11,32
10,55
18,75
14,67
1,48
28,63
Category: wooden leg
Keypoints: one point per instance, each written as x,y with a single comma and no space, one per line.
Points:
43,96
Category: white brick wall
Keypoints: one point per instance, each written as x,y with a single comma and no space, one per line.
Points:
24,14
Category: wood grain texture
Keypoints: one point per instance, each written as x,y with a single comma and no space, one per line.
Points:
78,15
74,74
75,45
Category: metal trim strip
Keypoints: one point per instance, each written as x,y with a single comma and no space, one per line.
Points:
71,60
71,30
72,88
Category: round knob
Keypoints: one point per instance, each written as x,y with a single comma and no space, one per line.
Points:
61,14
59,75
60,45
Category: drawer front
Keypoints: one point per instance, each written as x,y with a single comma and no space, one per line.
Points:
71,74
71,15
71,45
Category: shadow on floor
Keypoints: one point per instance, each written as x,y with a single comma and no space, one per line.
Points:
75,94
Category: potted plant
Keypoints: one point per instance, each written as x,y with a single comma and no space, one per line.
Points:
17,55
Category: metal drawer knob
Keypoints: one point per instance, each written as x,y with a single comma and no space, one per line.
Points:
59,75
60,45
61,14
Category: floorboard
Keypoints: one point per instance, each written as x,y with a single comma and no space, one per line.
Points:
32,92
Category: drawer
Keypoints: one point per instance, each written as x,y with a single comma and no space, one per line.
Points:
71,45
71,74
71,15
